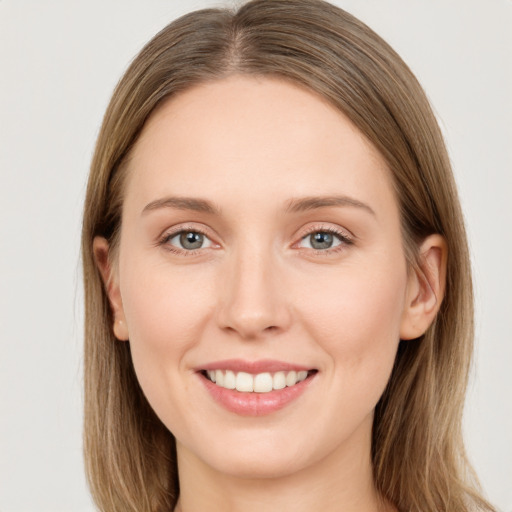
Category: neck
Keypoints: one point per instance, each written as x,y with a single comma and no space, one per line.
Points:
342,481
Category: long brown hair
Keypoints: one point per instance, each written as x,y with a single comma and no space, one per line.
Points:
418,455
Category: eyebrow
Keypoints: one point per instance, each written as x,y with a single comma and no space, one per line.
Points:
293,206
315,202
182,203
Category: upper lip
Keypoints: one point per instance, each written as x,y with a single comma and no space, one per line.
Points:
254,367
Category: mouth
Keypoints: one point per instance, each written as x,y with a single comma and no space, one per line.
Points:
263,382
255,388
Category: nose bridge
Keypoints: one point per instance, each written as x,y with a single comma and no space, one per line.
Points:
253,302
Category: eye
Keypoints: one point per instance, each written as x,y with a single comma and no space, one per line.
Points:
323,240
188,240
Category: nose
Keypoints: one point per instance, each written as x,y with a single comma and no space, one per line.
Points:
253,298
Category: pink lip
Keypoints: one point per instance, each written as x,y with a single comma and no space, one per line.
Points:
254,404
253,367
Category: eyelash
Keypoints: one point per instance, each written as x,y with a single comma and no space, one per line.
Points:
345,240
167,237
343,237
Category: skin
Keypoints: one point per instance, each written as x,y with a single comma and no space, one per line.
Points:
258,290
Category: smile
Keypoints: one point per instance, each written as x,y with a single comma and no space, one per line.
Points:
260,383
255,388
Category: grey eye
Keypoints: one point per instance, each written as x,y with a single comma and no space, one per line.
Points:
190,240
321,240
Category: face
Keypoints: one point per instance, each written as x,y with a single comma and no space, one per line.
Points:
260,247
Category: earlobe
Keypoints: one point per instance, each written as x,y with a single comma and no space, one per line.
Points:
110,281
425,288
120,329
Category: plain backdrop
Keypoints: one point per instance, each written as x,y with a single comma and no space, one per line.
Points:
59,61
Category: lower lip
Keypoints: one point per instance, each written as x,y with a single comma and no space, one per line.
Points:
255,404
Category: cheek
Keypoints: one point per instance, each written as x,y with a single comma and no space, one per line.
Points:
355,317
165,312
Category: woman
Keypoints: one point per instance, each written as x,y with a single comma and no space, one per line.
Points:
277,285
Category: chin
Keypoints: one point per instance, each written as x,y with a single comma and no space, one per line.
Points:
256,466
267,454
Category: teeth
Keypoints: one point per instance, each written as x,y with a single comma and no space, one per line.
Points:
230,380
291,378
263,383
279,380
260,383
302,375
244,382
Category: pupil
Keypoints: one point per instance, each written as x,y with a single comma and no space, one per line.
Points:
191,240
321,240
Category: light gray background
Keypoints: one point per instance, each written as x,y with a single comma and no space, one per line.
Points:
59,61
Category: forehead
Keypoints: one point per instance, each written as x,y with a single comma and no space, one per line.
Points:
252,137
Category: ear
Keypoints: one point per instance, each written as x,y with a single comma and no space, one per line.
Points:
425,288
110,280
